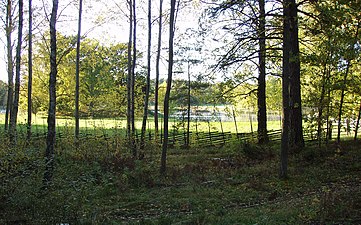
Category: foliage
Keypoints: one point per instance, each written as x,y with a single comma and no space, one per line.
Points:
103,71
3,94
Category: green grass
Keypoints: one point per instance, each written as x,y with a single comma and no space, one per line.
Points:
100,183
96,125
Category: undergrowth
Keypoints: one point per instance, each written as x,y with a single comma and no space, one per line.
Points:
99,182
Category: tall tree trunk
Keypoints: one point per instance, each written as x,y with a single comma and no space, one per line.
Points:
261,93
30,72
133,80
77,74
295,78
50,139
146,98
156,97
15,108
169,86
10,63
129,77
285,90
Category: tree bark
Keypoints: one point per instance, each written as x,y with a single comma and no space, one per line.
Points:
261,93
169,86
156,97
146,98
15,108
134,60
285,90
129,78
10,63
77,74
30,72
295,78
50,139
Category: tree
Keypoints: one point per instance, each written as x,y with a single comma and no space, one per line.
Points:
77,73
285,139
9,26
3,94
261,92
156,97
147,87
15,104
169,85
294,76
50,139
30,71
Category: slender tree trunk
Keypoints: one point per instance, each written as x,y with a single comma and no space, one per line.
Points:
129,78
321,105
188,105
357,122
15,108
156,97
30,72
50,139
328,122
146,99
261,93
169,86
10,63
342,101
77,74
295,78
133,80
285,90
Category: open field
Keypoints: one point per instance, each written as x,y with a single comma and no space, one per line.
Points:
99,125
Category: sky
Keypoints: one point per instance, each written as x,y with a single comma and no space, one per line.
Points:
113,28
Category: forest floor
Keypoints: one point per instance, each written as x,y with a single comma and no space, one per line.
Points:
235,184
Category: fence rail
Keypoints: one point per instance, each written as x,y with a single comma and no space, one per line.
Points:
175,138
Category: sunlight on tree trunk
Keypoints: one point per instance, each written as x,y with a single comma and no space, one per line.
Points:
30,72
50,139
77,72
169,85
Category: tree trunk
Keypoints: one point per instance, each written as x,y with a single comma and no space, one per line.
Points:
341,102
169,86
156,97
357,122
188,105
129,78
77,75
15,108
146,98
50,139
30,72
261,93
321,104
295,78
133,146
10,64
285,90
